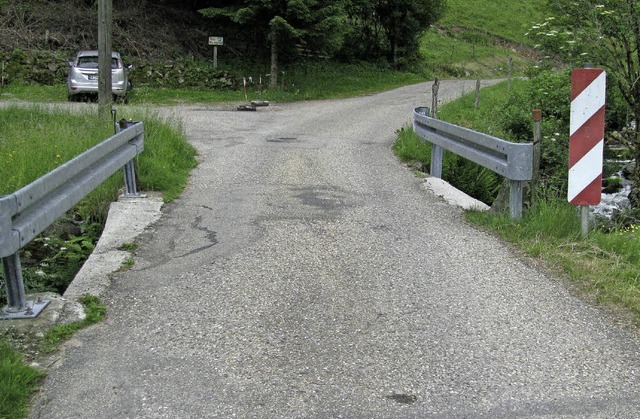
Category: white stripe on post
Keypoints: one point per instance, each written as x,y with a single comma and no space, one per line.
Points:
583,173
588,103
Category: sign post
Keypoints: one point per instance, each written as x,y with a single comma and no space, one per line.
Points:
586,143
216,41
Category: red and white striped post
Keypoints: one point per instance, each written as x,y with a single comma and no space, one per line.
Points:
586,143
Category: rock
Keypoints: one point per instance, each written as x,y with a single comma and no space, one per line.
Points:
628,170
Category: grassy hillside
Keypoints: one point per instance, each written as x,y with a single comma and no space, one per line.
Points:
476,38
507,19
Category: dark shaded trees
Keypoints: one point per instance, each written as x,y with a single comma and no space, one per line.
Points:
284,25
389,29
352,29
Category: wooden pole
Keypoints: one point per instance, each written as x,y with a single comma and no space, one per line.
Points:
537,153
105,17
510,71
434,98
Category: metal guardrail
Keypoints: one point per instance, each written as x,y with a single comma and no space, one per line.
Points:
28,211
514,161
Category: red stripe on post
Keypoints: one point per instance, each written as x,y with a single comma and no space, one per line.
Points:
586,137
591,195
581,79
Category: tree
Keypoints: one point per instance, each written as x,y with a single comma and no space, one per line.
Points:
605,33
404,22
390,28
284,23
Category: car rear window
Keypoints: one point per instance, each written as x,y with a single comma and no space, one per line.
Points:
90,61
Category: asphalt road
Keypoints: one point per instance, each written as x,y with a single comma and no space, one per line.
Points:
306,273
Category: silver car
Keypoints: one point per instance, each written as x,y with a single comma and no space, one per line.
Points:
83,76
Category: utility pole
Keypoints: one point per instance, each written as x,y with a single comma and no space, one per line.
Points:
105,17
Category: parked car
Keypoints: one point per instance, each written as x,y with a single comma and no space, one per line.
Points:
82,81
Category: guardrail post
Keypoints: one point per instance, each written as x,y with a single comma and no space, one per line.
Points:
16,299
515,198
436,161
130,188
130,181
17,305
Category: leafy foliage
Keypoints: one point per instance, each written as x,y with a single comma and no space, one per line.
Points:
606,34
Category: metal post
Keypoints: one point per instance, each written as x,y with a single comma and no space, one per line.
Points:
16,299
584,220
129,169
515,199
436,161
130,181
215,57
434,98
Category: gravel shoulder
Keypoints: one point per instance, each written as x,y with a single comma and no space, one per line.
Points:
306,273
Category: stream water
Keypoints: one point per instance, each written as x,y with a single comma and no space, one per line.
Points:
614,201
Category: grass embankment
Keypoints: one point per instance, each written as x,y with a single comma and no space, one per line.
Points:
476,39
605,266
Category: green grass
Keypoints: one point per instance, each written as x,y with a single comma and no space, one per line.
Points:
18,382
486,118
506,19
95,312
36,140
307,81
32,93
467,54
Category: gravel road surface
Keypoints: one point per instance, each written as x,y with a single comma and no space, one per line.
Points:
305,272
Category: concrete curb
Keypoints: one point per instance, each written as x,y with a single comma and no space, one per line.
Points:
127,219
452,195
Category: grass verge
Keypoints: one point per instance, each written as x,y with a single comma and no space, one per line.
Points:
306,81
604,267
18,382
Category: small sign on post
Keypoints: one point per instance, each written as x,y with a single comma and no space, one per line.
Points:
216,41
586,143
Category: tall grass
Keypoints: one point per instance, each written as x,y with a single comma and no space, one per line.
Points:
36,140
18,381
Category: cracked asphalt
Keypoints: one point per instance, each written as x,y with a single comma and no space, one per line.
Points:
305,272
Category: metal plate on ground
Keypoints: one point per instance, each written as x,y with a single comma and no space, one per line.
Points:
34,308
